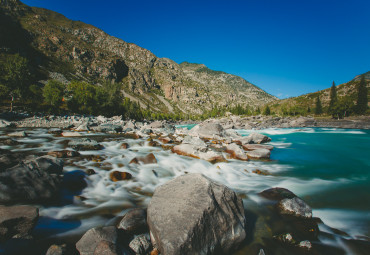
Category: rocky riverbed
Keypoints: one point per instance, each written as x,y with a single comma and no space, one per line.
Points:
96,185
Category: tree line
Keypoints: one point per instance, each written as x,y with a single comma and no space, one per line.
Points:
107,99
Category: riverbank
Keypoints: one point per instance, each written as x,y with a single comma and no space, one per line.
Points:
231,122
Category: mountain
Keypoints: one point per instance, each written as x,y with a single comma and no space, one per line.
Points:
59,48
302,103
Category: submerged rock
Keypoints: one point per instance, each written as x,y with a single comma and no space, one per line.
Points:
148,159
17,221
64,154
195,215
119,176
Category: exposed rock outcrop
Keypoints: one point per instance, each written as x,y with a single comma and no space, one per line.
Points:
195,215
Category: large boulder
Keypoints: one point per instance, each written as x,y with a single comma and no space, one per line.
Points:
31,180
194,215
17,221
208,130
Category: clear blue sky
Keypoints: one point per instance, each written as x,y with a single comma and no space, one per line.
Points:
286,47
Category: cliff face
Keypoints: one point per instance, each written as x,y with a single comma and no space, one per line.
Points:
64,49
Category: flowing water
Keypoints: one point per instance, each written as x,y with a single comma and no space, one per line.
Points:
328,168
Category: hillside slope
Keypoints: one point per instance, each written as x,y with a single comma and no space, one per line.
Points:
303,102
59,48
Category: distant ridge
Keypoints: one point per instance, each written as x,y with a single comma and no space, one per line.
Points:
62,49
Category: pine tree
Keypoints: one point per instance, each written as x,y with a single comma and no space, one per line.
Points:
333,99
318,109
361,105
267,110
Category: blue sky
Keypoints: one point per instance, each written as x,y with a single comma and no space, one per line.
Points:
286,47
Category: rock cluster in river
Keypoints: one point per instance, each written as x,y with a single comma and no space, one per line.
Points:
189,215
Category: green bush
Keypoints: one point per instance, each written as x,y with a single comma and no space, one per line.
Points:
53,93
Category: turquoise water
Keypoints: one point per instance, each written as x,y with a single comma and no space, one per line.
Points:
330,169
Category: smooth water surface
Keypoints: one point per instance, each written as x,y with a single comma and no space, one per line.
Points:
330,169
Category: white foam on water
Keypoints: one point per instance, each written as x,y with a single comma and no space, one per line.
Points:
287,131
103,196
304,187
348,221
280,145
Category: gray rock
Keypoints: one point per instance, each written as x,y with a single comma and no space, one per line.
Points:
277,193
295,207
141,244
208,130
18,134
17,221
258,138
198,152
47,164
129,124
195,215
83,127
106,248
156,124
92,238
4,123
9,159
236,152
259,154
195,141
85,144
134,221
31,181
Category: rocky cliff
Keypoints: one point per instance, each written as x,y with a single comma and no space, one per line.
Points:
63,49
